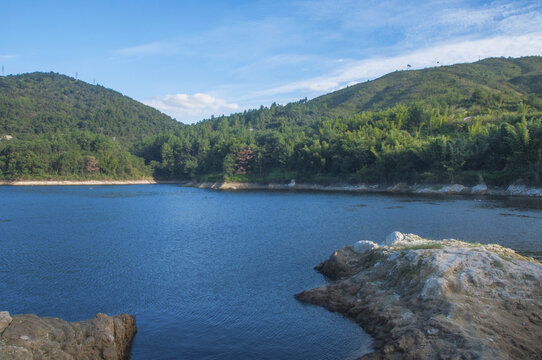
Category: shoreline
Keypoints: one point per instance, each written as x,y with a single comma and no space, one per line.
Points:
400,188
74,182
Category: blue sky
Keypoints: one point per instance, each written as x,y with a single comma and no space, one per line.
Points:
191,59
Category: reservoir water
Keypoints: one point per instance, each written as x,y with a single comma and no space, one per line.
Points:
211,275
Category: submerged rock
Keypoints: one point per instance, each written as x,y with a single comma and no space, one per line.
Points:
31,337
425,299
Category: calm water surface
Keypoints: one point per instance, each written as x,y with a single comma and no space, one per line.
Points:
211,275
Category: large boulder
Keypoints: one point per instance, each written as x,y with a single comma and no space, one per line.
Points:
364,245
5,320
102,337
393,239
479,189
426,299
515,189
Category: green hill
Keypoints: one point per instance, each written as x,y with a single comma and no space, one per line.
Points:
467,122
56,127
461,123
501,79
39,103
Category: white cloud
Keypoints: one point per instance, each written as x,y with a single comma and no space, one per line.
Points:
189,108
7,57
446,54
145,49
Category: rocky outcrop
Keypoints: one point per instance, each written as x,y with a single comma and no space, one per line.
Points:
424,299
28,337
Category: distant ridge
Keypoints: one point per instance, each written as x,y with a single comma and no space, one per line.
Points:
508,77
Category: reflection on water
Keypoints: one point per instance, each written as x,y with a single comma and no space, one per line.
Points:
210,274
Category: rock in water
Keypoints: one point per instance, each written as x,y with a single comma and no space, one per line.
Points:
102,337
425,299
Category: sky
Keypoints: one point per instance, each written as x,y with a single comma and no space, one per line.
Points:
194,59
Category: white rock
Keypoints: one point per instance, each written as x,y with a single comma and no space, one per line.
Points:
515,189
25,337
534,192
364,246
393,238
479,189
5,320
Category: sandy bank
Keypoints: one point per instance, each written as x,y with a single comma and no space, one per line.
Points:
424,299
70,182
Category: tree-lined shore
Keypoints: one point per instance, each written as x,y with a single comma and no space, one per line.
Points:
468,123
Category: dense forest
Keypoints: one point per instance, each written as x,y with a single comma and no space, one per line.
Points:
467,123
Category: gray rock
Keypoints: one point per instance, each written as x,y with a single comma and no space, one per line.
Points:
364,246
447,300
393,238
434,288
102,337
479,189
515,189
534,192
5,320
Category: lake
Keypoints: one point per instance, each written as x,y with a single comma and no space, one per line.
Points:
210,274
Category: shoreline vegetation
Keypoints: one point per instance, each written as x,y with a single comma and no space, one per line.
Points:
466,123
400,188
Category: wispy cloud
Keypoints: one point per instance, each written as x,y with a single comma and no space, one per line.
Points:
310,47
7,57
451,53
145,49
189,108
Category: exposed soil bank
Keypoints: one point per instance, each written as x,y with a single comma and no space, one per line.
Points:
30,337
423,299
455,189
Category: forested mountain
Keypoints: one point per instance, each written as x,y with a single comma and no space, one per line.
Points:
462,123
497,80
468,122
60,127
40,103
